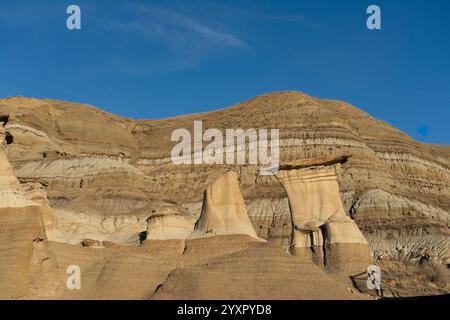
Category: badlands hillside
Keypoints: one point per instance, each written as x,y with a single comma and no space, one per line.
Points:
113,203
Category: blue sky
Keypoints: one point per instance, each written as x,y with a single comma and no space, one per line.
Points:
154,59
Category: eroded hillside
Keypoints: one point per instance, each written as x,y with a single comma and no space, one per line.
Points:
105,175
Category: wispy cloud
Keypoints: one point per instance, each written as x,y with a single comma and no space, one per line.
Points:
187,37
177,28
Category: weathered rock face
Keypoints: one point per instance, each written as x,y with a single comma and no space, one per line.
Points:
224,210
319,222
395,188
158,220
25,260
75,227
238,267
11,196
341,229
169,223
35,191
217,267
313,198
412,249
167,227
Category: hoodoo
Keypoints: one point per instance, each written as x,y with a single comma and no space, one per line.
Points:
224,210
320,224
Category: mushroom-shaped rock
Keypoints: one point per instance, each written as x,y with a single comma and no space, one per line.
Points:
320,224
224,210
313,194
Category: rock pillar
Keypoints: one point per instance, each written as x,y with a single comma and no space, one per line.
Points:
224,210
320,225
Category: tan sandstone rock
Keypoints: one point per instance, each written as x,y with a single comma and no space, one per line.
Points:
35,190
318,216
169,226
25,260
224,210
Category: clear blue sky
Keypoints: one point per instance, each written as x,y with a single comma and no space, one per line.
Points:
154,59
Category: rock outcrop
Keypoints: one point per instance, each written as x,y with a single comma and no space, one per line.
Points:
169,223
35,191
260,271
411,249
224,210
216,267
319,222
25,260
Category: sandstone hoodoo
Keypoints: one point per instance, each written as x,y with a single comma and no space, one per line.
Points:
320,224
224,210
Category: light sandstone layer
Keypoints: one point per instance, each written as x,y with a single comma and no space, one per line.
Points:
396,189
